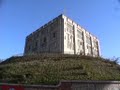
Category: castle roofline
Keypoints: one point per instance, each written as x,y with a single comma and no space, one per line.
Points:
60,16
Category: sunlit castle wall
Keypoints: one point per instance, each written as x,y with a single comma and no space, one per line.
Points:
79,41
62,35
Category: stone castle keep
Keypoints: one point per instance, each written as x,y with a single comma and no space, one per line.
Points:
62,35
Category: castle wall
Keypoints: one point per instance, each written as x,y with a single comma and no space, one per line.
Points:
62,35
79,41
46,39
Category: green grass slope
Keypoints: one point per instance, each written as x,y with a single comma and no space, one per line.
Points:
50,69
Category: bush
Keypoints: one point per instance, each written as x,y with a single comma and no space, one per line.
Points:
50,69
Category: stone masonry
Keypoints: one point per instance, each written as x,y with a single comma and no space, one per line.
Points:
62,35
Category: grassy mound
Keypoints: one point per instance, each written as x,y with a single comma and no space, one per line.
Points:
50,69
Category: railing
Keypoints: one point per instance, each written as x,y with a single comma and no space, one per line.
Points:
66,85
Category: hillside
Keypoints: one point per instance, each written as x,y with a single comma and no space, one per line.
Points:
50,69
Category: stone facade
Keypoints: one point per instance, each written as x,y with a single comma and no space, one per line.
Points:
62,35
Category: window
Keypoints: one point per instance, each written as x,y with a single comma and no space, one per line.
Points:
68,41
29,47
54,35
79,34
29,39
80,45
36,44
44,39
95,52
70,28
37,35
88,40
96,44
71,39
89,50
43,32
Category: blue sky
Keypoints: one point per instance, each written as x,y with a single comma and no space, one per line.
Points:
18,18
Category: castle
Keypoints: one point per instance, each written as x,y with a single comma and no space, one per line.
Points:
62,35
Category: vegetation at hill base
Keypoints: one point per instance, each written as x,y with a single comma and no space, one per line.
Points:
51,69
